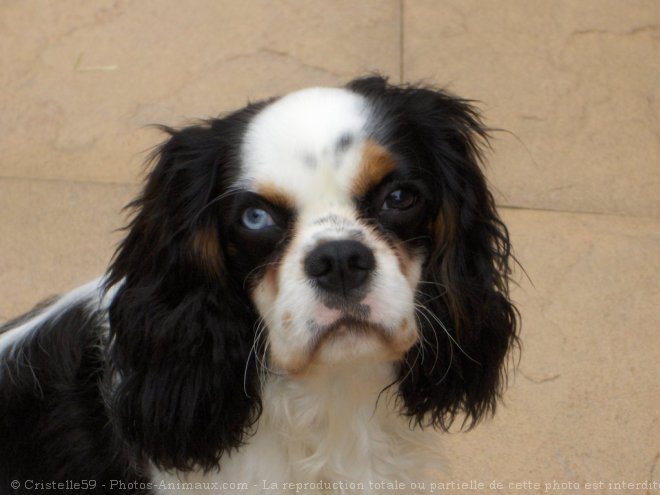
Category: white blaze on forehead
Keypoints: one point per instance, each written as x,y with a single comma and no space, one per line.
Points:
307,144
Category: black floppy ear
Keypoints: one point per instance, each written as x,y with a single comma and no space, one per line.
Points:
181,329
468,323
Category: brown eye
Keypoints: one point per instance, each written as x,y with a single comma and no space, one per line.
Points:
399,199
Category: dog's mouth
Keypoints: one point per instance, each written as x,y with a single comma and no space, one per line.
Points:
358,331
352,337
344,326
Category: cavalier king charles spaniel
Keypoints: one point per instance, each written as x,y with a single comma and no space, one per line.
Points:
308,288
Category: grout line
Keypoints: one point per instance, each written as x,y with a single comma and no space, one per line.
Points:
71,181
401,42
576,212
499,206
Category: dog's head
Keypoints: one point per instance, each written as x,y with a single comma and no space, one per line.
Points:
324,227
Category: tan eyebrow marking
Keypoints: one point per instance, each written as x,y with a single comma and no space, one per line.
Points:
375,164
276,196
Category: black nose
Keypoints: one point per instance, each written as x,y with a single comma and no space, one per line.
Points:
340,266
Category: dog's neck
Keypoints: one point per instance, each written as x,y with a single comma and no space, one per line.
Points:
338,423
343,421
330,394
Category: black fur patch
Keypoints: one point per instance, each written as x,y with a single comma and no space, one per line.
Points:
182,337
53,422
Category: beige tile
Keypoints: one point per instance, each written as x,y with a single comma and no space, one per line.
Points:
81,79
575,84
54,236
583,404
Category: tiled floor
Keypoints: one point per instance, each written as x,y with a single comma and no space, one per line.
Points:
572,84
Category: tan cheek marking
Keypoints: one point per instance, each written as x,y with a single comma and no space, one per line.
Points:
375,164
297,368
206,250
269,287
403,257
404,345
403,260
409,264
272,272
271,277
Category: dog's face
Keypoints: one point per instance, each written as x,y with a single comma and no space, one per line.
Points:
336,208
324,227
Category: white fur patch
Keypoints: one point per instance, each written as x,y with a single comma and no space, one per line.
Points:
91,292
307,144
333,427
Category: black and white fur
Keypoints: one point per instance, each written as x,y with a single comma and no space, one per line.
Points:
308,287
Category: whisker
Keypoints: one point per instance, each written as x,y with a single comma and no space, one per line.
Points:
422,337
411,367
229,192
430,313
415,239
260,328
451,350
247,362
429,297
437,342
247,277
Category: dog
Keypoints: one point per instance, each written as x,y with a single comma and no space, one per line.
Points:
307,289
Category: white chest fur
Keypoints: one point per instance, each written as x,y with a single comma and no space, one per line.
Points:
331,433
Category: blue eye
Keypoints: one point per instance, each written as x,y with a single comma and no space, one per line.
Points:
256,219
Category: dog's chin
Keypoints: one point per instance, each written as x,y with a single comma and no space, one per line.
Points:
355,341
350,341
